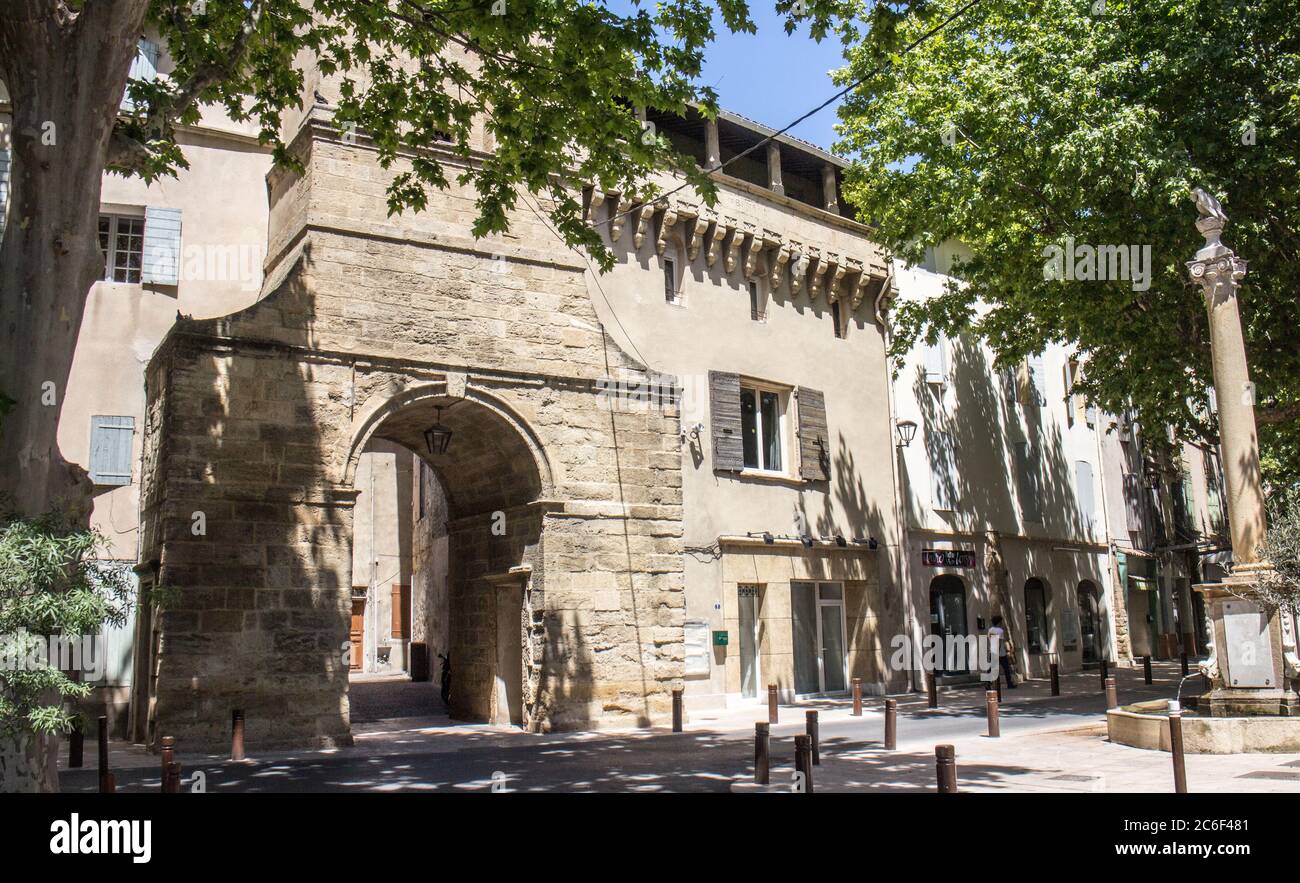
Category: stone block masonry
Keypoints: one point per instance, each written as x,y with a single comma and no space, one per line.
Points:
571,617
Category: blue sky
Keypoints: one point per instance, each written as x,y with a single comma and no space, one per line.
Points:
773,77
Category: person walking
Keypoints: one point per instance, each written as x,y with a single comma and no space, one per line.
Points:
998,632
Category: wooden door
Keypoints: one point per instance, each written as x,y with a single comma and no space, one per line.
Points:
358,633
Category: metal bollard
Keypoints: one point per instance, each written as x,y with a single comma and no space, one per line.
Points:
1176,747
997,686
762,752
76,746
105,777
1184,663
677,709
945,766
813,740
168,752
857,697
1146,668
803,761
172,779
991,712
772,714
1056,679
108,784
1105,673
1112,694
891,724
932,688
237,735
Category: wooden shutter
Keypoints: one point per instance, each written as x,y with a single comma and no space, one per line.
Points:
1038,376
1027,482
162,246
724,417
814,441
401,611
4,184
110,449
936,361
943,470
1083,487
143,67
1132,501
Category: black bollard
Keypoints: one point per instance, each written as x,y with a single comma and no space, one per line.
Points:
762,752
891,724
945,764
811,723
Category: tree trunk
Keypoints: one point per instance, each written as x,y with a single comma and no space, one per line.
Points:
65,72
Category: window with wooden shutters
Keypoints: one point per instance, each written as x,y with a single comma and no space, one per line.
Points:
943,470
401,611
814,440
110,449
724,419
1027,482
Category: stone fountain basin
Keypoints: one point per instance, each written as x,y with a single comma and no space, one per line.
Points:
1146,725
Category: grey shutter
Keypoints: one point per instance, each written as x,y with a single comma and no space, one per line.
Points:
143,67
724,417
814,443
110,449
943,470
1027,481
1009,385
162,246
1038,376
1087,501
1132,502
1090,415
936,361
4,184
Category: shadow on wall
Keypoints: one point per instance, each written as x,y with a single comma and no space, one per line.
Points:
976,421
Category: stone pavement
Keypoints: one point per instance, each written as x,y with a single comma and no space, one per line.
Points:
1047,744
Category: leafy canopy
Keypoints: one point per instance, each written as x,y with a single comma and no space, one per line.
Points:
1027,125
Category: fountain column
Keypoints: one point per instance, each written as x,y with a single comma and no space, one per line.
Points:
1251,666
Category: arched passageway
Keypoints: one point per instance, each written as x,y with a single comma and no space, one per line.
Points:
443,554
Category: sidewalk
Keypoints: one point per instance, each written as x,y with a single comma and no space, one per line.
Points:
1047,744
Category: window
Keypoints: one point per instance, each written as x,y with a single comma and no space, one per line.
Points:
761,414
110,449
670,281
143,67
121,241
756,305
1036,616
837,319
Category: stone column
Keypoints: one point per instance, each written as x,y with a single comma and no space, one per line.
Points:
1250,672
830,192
774,167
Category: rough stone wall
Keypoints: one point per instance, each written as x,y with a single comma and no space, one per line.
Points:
266,409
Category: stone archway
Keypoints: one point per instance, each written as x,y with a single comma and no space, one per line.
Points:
494,476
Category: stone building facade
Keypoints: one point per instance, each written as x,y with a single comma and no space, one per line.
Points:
565,584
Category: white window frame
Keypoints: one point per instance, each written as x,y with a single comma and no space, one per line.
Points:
111,252
783,419
820,602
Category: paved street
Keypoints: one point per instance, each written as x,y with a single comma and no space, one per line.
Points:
1047,744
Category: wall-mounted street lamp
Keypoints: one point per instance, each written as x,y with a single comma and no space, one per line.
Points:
906,430
437,436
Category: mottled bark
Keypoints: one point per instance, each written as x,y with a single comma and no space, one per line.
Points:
65,71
